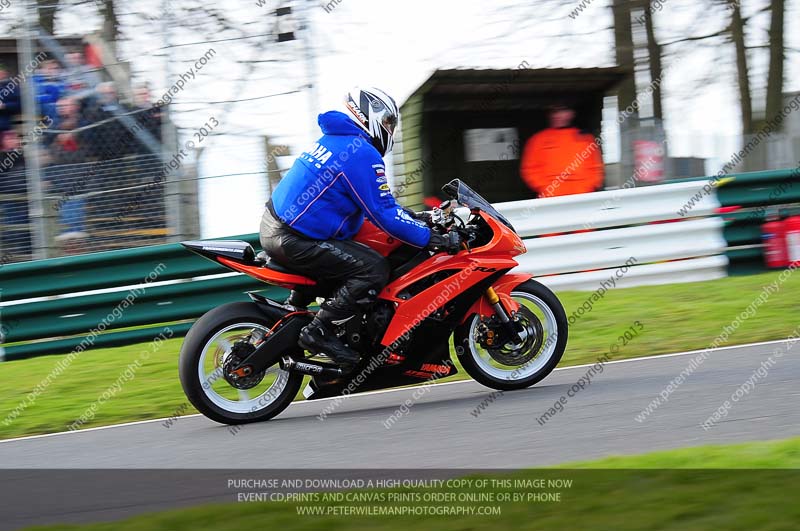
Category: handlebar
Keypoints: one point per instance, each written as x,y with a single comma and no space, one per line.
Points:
442,220
459,237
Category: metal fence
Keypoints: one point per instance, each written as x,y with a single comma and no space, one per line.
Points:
78,161
96,169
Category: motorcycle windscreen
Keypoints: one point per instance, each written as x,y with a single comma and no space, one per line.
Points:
472,199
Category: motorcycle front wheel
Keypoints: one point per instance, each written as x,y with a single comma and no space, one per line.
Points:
527,360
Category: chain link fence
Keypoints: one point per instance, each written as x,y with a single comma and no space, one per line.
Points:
92,165
103,181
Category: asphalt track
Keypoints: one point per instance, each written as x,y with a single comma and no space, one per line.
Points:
441,431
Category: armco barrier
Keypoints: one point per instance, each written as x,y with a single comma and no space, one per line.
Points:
611,208
692,270
606,229
761,188
611,248
109,269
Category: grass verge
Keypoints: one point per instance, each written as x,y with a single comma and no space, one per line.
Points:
673,318
622,493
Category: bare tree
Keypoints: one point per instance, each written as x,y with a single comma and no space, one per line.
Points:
654,59
776,58
737,29
623,40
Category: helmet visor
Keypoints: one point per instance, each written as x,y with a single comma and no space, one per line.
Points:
389,122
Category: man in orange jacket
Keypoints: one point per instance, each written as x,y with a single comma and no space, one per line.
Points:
560,160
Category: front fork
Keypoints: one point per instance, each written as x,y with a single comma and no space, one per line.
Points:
502,314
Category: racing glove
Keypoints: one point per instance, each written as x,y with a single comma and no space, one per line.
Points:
421,216
450,242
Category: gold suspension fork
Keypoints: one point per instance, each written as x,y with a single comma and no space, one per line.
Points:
502,314
494,300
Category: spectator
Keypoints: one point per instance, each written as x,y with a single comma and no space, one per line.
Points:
9,100
148,164
15,234
79,77
141,96
105,103
65,148
105,133
49,87
560,160
148,117
63,141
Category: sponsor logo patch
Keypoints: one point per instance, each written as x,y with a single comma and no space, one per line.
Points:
438,369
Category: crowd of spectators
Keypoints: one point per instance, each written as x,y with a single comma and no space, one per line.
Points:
87,124
83,122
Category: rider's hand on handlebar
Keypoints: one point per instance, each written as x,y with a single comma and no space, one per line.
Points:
421,216
425,217
450,242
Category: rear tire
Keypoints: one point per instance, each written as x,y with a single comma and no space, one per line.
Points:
200,391
486,370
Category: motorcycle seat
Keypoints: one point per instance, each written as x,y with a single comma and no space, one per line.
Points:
262,259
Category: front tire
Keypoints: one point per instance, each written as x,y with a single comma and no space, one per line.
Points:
213,338
503,368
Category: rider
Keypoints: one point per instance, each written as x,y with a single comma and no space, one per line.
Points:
320,205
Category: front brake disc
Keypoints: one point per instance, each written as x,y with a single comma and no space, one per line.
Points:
517,354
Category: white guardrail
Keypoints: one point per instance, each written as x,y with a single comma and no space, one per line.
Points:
621,229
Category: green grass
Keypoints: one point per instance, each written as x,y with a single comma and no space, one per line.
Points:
675,318
680,317
624,493
781,454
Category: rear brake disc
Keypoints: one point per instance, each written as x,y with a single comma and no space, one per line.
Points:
239,378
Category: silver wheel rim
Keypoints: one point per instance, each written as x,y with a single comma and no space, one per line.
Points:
246,403
550,328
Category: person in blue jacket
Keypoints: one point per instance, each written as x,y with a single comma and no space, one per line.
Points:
321,203
9,100
49,87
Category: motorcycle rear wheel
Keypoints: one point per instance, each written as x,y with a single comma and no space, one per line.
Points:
231,330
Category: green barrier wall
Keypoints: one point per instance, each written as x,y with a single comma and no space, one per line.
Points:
756,195
134,312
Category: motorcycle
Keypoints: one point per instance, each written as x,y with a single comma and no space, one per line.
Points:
241,363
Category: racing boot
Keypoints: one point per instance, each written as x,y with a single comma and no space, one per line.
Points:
319,337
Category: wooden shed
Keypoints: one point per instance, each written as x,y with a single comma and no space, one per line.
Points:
472,124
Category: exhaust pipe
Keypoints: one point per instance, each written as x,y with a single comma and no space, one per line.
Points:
311,368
